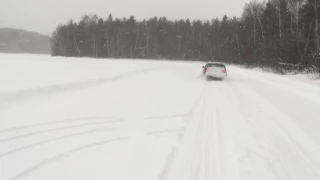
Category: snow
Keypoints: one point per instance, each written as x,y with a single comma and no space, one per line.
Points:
79,118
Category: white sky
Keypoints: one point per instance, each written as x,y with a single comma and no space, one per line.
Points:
44,15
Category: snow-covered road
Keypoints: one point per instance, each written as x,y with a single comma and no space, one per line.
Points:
66,118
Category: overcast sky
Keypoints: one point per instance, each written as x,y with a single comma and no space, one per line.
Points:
44,15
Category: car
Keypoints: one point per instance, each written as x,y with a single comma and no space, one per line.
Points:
215,70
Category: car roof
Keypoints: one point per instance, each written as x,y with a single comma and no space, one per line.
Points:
215,63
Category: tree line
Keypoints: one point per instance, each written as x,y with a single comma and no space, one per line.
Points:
21,41
282,34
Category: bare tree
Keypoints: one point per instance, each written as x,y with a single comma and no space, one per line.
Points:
316,27
294,7
257,9
280,21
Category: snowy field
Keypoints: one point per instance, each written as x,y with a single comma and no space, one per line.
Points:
89,119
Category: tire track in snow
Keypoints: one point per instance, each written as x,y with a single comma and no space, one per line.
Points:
205,152
165,131
76,120
215,132
256,151
19,149
46,162
7,98
211,150
167,164
189,160
171,158
251,144
197,164
196,103
53,130
165,117
282,145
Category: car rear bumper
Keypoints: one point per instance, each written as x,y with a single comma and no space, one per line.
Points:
217,75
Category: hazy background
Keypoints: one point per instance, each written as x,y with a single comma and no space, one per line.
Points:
44,15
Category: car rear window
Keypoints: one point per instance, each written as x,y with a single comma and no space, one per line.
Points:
216,65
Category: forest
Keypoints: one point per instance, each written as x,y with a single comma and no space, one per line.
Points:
22,41
282,35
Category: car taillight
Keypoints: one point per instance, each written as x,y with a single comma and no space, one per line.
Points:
224,70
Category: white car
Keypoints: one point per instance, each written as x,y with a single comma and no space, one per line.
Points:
215,70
